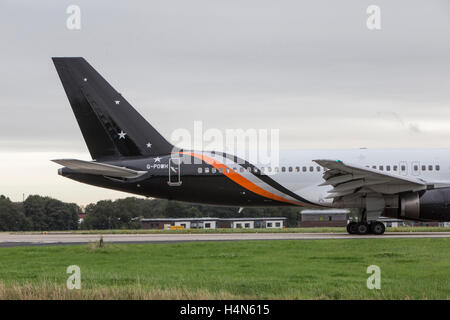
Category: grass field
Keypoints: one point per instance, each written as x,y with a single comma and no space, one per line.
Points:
230,230
317,269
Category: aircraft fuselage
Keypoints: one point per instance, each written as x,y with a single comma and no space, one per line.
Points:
295,181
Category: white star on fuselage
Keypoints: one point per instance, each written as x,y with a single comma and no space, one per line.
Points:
122,135
157,159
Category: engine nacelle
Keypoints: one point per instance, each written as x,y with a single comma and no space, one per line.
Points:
424,205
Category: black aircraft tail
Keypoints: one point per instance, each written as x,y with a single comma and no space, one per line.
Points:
111,127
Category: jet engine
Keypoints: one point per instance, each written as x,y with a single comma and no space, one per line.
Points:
422,206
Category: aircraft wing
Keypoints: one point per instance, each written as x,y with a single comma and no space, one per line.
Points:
104,169
348,179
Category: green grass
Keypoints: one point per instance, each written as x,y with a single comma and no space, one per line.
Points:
229,230
307,269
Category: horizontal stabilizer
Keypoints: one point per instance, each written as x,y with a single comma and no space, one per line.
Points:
104,169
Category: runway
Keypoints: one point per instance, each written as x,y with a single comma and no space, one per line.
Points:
17,239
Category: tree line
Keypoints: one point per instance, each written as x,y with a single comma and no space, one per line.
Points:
47,214
38,213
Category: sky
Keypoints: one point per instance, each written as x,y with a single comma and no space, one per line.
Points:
311,69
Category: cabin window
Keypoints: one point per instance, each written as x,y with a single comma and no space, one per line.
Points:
374,167
241,169
213,170
206,170
228,170
304,169
424,168
437,167
276,169
311,169
255,170
221,170
430,168
283,169
290,169
388,168
381,168
403,168
200,170
297,169
269,169
416,167
318,169
395,168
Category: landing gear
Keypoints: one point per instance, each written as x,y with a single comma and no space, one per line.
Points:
365,217
374,227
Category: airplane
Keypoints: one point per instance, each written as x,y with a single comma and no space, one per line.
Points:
130,155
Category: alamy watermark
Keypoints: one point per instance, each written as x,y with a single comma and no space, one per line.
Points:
260,146
374,281
73,21
373,21
74,280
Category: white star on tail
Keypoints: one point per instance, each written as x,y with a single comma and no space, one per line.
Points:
157,159
117,101
122,135
149,145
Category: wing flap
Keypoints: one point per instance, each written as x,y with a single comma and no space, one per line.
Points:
347,179
341,179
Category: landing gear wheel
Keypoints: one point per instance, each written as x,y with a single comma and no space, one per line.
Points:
351,228
377,228
362,228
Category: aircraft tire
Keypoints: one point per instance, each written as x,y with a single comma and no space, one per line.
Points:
351,228
362,228
377,228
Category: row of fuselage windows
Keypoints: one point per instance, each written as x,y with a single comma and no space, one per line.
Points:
262,170
415,167
315,169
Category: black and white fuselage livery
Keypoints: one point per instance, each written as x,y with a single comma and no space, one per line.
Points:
130,155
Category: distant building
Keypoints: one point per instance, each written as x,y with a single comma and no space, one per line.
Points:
394,223
81,217
213,223
251,223
309,218
427,224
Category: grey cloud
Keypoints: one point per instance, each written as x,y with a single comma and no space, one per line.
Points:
410,126
233,64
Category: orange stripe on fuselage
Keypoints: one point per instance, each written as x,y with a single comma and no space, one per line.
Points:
239,179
